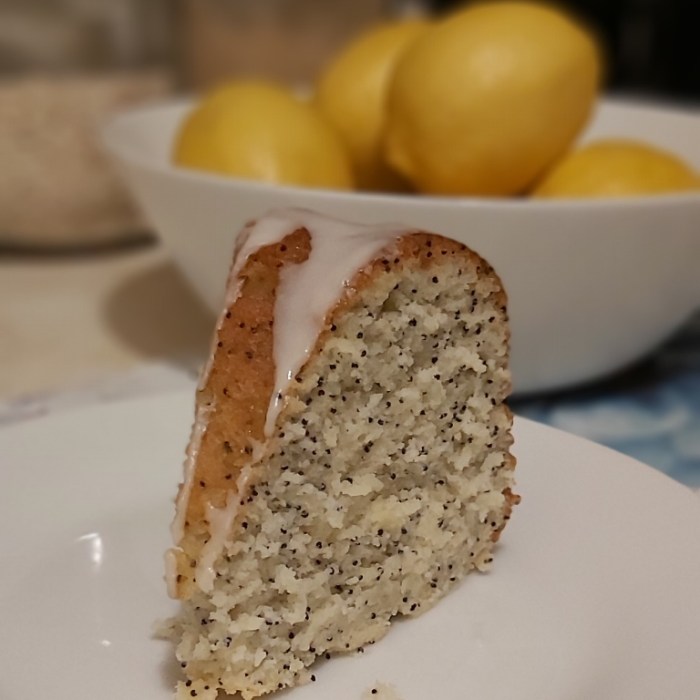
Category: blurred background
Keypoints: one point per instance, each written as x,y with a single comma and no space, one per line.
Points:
650,44
88,298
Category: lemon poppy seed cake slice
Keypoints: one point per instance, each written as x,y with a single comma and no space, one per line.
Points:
349,461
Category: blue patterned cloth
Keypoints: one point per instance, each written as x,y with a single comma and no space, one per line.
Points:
650,412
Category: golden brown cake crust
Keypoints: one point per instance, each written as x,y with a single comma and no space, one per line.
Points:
240,380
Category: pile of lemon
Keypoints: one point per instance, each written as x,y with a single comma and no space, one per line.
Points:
487,101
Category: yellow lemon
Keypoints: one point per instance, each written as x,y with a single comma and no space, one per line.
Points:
261,131
351,94
616,168
485,100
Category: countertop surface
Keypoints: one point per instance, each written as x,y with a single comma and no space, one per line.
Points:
68,319
100,325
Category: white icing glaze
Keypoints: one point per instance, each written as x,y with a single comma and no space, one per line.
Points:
177,528
307,291
220,521
305,294
171,572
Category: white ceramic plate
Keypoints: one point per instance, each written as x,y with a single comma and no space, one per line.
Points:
594,591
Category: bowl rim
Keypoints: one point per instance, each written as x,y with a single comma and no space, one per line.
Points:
114,143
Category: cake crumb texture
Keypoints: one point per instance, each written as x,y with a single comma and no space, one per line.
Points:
387,479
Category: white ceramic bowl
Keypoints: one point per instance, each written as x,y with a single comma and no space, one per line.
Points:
593,285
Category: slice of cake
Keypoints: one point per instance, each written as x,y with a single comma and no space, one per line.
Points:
349,461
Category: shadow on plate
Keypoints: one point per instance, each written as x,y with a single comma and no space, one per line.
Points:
156,313
169,668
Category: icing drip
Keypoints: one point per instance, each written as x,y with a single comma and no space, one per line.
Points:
171,572
305,294
307,291
177,529
220,521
